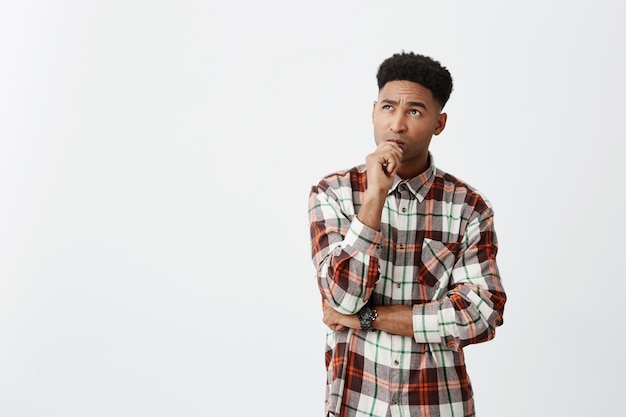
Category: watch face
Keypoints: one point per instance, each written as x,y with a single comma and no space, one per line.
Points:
366,316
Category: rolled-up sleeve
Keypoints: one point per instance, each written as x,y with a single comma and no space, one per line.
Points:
344,251
473,305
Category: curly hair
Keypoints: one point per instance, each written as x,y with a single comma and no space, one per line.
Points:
408,66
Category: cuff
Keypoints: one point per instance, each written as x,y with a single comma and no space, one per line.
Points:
363,238
426,323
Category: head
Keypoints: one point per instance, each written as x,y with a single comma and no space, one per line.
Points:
413,89
420,69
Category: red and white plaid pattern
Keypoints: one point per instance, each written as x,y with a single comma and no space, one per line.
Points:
436,251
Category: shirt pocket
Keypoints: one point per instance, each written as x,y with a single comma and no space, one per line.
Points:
437,262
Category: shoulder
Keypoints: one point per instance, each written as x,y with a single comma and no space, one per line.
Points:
353,179
456,190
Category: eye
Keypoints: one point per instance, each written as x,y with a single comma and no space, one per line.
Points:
387,107
415,112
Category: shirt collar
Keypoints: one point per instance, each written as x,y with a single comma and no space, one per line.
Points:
419,185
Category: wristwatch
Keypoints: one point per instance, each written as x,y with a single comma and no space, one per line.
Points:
366,316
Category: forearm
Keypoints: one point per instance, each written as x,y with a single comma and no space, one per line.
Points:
450,322
372,208
393,319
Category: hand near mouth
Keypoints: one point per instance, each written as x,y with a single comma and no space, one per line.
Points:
383,164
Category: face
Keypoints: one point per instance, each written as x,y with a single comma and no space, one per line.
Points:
407,114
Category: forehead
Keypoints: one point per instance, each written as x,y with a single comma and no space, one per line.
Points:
402,91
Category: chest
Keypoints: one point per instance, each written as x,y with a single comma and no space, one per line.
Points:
420,247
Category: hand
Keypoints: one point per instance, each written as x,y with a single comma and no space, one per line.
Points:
382,165
337,321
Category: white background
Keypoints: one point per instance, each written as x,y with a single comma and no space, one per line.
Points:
155,164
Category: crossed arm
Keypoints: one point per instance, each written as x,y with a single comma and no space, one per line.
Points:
468,312
345,252
393,319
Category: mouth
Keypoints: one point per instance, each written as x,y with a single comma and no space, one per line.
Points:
398,141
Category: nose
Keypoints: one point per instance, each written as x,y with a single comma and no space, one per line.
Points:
397,123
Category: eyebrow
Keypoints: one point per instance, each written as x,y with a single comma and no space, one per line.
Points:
409,103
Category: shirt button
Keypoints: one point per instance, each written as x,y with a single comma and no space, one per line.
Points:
394,402
396,363
404,209
398,285
401,246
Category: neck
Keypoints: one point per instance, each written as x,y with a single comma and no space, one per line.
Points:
414,168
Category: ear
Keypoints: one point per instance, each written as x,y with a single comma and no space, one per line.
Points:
374,110
441,123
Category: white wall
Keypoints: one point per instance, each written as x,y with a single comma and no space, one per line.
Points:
155,163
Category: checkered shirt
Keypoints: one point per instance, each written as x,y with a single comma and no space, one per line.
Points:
436,251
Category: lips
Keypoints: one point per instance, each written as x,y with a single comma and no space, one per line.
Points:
396,140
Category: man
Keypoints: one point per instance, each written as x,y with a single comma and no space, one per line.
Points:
406,261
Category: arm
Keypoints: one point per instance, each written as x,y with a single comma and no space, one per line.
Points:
468,313
345,245
474,305
393,319
344,250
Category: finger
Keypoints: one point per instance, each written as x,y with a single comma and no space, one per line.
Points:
386,167
390,159
391,166
388,163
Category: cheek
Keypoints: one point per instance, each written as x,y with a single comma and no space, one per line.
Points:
376,138
377,131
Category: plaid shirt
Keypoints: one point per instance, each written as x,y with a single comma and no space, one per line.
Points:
436,251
